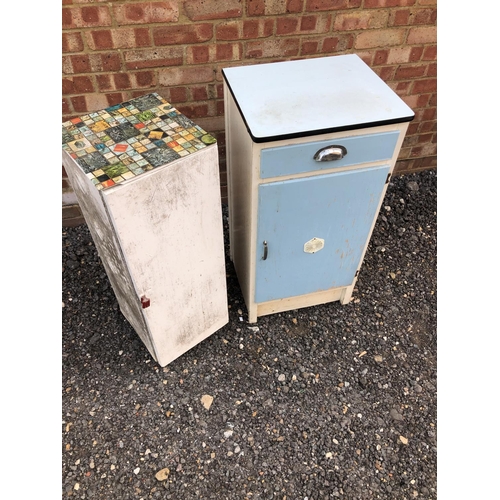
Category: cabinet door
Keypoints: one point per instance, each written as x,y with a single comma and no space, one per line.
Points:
315,230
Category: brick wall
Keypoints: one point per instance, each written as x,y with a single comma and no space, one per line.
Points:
119,49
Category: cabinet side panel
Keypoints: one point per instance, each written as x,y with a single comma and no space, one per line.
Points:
241,197
108,248
169,223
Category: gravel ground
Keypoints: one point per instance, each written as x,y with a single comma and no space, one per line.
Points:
323,402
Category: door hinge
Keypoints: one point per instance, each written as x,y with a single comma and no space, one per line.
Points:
388,178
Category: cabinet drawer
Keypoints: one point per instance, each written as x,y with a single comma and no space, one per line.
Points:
299,158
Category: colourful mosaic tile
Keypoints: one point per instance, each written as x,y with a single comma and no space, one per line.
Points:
128,139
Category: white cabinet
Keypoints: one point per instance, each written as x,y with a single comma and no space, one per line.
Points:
311,146
147,181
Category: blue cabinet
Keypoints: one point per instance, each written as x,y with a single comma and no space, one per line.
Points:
311,146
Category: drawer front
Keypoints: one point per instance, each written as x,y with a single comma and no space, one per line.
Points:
299,158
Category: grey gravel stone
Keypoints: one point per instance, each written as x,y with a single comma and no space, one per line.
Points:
305,441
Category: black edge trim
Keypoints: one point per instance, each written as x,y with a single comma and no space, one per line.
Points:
309,133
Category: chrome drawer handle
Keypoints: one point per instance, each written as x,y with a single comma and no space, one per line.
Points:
264,257
330,153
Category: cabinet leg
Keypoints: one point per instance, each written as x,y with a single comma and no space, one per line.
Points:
346,295
252,315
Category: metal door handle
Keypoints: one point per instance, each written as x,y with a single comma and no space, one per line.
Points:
330,153
264,257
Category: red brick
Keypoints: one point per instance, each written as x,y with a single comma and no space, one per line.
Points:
177,94
337,43
100,40
229,31
369,4
194,111
432,70
198,54
85,17
425,16
409,72
256,7
286,25
313,5
144,79
79,104
422,35
121,81
430,53
116,98
425,86
104,82
154,58
402,88
146,12
428,127
201,10
400,17
229,52
412,128
182,34
309,47
294,6
72,42
81,63
308,23
272,48
416,54
386,73
180,76
380,57
423,100
425,138
199,93
77,85
105,62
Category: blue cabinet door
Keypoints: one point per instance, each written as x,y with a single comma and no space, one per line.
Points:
331,214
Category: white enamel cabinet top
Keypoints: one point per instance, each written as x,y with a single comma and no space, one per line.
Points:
312,96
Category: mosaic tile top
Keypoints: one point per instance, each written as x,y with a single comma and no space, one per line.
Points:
128,139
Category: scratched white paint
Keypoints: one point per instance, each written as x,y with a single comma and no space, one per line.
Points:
169,225
160,236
